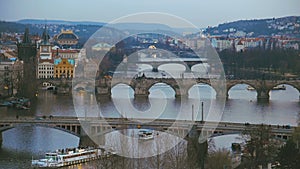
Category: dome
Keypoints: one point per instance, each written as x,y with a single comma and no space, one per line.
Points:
67,38
67,35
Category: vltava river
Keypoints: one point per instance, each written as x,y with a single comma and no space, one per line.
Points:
22,143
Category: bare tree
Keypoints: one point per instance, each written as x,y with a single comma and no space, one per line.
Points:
260,145
218,159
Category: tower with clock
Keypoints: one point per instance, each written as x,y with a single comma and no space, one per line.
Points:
45,47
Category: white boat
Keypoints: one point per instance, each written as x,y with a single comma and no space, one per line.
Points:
67,157
145,134
250,88
280,87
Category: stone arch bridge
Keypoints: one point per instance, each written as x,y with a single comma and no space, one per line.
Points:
181,86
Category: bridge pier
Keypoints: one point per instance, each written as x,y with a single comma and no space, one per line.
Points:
91,137
104,91
91,140
181,92
85,141
220,94
141,92
263,95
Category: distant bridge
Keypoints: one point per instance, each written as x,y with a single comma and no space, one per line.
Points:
100,126
187,62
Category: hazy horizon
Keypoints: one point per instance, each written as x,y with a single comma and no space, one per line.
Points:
65,20
200,13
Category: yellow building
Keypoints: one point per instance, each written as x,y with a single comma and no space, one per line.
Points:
64,68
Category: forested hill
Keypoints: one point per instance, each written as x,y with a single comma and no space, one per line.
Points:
17,27
286,26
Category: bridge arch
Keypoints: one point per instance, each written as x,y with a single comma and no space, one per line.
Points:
161,83
203,85
82,85
200,68
234,82
122,86
242,90
44,84
287,83
73,130
38,134
284,91
166,93
53,81
172,67
145,67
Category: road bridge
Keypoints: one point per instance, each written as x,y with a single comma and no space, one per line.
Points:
96,126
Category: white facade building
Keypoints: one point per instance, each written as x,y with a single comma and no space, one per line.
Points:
45,70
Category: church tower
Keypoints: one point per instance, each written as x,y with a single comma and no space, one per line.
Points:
27,53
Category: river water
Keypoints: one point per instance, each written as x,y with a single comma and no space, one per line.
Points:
22,143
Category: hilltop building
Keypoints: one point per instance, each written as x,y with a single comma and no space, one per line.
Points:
101,47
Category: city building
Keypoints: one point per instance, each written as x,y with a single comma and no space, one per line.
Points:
67,53
64,68
101,47
240,47
221,43
66,39
45,69
11,71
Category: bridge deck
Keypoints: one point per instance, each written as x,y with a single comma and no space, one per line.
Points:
162,124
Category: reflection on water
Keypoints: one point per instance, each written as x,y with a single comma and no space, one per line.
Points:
226,141
127,143
23,143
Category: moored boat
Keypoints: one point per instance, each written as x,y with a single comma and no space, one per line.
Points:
280,87
6,104
17,102
66,157
250,88
145,134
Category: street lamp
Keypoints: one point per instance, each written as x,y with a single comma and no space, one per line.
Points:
202,112
6,88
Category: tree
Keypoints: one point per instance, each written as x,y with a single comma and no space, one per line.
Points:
296,137
289,156
197,153
260,146
219,159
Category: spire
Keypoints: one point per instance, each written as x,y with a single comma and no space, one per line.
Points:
26,38
45,36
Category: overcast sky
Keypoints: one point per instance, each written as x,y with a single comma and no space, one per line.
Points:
201,13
